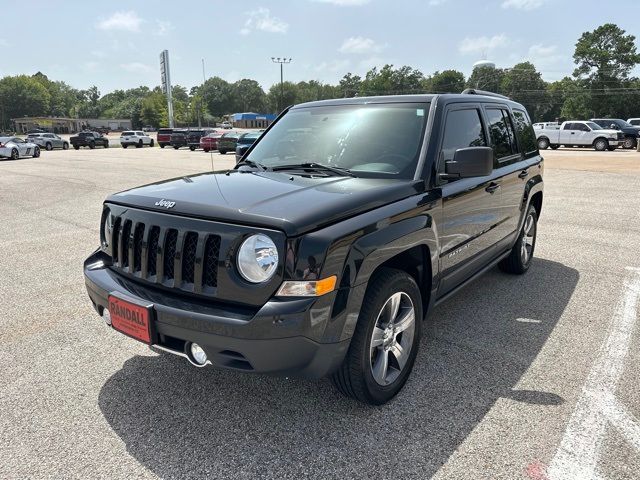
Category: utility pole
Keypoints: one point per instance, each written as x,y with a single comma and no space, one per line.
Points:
281,61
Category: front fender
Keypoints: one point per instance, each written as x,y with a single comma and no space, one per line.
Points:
354,248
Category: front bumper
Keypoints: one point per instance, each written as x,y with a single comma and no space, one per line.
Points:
277,338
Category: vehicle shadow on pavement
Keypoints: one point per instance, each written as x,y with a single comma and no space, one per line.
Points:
180,421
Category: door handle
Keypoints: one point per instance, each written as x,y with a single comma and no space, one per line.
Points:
573,133
492,187
523,174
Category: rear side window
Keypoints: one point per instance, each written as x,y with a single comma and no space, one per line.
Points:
501,131
525,133
127,134
462,129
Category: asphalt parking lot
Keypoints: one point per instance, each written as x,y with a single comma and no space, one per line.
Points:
532,377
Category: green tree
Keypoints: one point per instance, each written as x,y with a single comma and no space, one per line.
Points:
524,84
218,96
248,96
154,110
389,81
349,85
486,78
604,59
447,81
289,96
22,95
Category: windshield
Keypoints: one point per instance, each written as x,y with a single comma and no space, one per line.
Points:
593,126
380,140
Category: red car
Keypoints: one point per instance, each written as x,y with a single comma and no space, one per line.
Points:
164,136
210,142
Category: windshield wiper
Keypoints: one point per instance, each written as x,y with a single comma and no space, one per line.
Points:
345,172
253,164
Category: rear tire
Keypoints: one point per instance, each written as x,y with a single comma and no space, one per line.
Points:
92,145
65,146
176,148
629,143
162,145
543,143
124,146
519,259
77,147
48,146
192,149
600,144
222,152
554,147
151,144
140,144
386,339
15,155
36,152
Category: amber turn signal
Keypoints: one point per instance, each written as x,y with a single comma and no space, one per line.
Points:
310,288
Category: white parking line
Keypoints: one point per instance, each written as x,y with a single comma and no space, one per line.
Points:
597,407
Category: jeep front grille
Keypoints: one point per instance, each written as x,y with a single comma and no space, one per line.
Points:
171,257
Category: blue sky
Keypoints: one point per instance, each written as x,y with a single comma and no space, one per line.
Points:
116,44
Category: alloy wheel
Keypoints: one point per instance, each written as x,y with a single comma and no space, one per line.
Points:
528,238
392,338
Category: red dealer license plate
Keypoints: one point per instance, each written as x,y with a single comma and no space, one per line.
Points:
130,319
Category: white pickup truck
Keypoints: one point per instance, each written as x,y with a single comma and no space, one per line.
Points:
577,133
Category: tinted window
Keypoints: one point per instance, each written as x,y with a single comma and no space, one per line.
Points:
165,131
373,140
569,126
526,135
501,131
462,129
126,134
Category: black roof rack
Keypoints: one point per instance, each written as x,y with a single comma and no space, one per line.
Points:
473,91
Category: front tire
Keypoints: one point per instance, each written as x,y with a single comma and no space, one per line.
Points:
151,143
629,143
15,155
140,144
193,149
519,259
600,144
65,146
36,152
124,145
92,145
162,145
76,147
222,152
543,143
386,339
554,147
48,146
176,148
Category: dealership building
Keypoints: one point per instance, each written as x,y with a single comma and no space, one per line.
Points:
252,120
68,125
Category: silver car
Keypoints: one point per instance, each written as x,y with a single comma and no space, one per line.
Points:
15,147
49,141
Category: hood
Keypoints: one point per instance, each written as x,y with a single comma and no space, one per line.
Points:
607,131
291,203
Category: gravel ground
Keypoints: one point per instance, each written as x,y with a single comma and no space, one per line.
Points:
503,368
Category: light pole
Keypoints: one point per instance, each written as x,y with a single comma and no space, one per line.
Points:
281,61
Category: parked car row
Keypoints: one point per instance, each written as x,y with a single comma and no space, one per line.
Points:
599,133
207,139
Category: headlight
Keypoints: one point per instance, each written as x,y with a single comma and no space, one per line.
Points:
257,258
105,230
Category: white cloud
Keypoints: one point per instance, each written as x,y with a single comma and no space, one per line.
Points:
546,55
359,45
334,66
483,44
523,4
128,21
261,19
435,3
345,3
163,27
135,67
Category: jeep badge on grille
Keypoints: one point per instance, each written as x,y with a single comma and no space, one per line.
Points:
165,203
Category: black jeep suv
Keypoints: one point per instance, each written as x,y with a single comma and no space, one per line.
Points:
322,251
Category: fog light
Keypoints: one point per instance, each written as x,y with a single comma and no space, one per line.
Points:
106,316
198,354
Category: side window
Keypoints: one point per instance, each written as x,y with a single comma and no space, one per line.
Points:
463,128
569,126
501,132
582,127
526,135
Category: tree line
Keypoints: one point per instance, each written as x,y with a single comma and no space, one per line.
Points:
600,85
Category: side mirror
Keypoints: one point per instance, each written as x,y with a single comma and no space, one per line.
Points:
469,162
